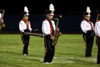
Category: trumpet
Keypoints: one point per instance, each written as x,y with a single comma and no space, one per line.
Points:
3,12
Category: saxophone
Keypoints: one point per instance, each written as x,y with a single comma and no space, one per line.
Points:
57,32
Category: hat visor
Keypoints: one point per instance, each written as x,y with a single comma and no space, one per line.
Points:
27,14
88,15
52,14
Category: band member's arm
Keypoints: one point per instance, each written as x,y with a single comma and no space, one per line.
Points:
84,26
93,26
22,26
97,29
46,30
2,20
30,27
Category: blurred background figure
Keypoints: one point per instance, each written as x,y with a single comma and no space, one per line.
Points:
2,25
88,32
25,26
97,33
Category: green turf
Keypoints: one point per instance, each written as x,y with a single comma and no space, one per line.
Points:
69,52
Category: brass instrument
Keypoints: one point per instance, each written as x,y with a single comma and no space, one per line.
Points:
2,25
57,32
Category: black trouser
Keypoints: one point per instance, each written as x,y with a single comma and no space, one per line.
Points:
49,50
25,40
89,44
98,56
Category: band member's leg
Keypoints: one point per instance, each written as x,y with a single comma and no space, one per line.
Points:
98,56
84,38
49,51
96,41
53,51
92,41
89,45
25,39
46,57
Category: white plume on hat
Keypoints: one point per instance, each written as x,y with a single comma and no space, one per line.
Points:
26,10
88,10
51,7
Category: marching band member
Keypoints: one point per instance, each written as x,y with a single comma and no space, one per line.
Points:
2,25
25,26
88,32
97,33
48,28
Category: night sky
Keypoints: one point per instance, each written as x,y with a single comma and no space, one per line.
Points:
65,7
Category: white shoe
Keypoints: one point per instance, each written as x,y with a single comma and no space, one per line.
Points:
25,54
47,62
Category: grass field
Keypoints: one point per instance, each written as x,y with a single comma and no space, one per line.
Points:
69,52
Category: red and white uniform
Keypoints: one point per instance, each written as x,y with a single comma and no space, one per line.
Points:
97,28
86,26
47,28
24,25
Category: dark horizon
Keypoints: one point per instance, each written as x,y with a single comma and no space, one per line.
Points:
69,7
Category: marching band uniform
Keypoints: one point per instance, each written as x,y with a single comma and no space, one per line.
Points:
88,34
25,26
48,28
97,33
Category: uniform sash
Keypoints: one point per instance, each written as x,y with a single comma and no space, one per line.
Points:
27,23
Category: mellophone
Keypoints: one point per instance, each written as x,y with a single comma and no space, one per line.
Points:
34,34
3,12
